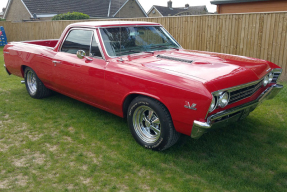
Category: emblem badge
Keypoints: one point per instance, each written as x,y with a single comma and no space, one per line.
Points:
188,106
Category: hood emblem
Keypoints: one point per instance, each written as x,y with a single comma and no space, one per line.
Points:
188,106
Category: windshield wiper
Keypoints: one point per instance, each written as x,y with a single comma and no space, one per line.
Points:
163,46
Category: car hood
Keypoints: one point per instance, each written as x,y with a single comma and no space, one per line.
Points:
220,70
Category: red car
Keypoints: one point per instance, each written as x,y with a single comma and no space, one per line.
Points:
138,71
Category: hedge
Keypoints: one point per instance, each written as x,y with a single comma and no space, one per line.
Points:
71,16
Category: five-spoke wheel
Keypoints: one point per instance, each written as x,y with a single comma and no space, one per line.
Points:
150,124
31,82
34,85
146,124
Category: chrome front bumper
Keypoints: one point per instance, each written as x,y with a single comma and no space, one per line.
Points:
7,70
223,118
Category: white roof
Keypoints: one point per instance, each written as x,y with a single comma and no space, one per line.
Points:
111,23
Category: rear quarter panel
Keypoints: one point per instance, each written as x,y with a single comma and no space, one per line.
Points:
39,58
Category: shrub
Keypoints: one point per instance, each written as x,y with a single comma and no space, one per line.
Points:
2,19
71,16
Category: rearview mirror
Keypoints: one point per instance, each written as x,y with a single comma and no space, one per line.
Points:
81,54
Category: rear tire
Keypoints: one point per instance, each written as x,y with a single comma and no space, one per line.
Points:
34,85
150,124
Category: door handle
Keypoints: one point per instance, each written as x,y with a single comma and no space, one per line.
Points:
56,62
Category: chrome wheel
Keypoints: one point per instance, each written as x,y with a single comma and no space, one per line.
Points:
31,82
146,124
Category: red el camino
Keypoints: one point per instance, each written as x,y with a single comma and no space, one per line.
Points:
138,71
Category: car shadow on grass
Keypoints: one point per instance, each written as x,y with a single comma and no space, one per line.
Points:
248,152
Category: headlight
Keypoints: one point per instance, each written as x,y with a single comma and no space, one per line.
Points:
265,81
213,104
270,77
223,100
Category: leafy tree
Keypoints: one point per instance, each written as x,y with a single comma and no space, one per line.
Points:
71,16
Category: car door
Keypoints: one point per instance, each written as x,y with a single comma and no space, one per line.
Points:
80,78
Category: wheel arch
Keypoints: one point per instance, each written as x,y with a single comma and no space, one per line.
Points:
131,96
23,69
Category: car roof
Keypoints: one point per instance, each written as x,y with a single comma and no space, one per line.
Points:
110,23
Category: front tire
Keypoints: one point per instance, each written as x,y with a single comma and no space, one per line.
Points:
34,85
150,124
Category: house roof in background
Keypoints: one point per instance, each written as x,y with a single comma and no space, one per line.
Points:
100,8
166,11
220,2
93,8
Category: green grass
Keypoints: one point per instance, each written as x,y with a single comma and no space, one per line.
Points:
60,144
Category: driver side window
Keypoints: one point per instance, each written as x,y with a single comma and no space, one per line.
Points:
76,40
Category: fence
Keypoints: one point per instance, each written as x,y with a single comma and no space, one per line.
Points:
259,35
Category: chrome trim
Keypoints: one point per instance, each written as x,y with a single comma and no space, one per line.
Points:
188,106
246,92
5,52
128,25
91,41
223,118
166,31
146,124
268,69
99,45
215,106
220,97
276,70
266,78
7,70
23,82
275,91
174,59
217,93
81,54
198,129
247,84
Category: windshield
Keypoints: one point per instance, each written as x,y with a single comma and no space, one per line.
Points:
128,40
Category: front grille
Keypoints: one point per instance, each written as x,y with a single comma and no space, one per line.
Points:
275,76
245,92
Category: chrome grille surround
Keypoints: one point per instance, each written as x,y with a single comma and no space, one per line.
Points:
244,91
276,75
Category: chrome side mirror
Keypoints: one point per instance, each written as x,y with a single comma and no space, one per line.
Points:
81,54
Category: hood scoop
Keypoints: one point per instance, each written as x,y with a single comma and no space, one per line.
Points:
174,58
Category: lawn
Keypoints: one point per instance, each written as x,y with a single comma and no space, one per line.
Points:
60,144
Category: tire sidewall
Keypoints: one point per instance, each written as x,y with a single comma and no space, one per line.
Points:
27,69
164,122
